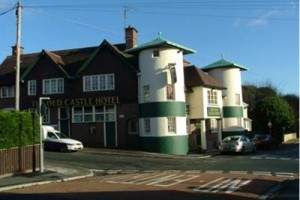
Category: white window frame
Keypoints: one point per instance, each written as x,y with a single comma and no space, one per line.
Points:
146,93
170,90
87,114
237,99
98,82
53,86
171,124
7,92
31,87
212,97
147,125
214,125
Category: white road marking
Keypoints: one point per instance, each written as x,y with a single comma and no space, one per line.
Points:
238,172
222,185
271,158
285,174
256,157
214,171
264,173
285,158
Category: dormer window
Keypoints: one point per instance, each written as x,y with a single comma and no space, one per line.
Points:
155,53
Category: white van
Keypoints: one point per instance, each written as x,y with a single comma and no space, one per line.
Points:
54,140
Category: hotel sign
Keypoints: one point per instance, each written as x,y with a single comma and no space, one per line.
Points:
213,112
80,102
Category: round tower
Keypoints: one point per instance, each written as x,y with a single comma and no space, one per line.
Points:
161,96
229,74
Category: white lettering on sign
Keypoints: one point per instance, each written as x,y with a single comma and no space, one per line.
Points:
160,180
224,185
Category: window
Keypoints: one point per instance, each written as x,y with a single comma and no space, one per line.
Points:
133,126
212,97
94,114
146,89
171,124
88,114
32,87
170,92
53,86
98,82
147,127
155,53
7,92
237,99
213,125
99,113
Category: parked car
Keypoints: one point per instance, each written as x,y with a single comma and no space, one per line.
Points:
237,143
55,140
265,141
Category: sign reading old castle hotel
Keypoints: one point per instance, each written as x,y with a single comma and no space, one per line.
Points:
122,96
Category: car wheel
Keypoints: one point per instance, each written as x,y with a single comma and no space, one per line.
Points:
254,149
63,149
243,150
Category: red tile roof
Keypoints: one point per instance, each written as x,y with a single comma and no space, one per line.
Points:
194,76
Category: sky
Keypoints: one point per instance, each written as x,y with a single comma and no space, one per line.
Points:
262,35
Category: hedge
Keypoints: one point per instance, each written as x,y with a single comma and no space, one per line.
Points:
18,128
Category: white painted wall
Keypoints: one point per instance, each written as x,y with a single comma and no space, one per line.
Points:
231,79
154,72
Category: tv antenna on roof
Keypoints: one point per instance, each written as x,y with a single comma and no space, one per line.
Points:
126,9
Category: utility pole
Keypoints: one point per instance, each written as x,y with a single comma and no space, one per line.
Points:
18,56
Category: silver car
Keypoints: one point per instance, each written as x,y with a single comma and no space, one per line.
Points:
237,143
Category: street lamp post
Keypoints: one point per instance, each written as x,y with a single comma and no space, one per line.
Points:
41,134
270,127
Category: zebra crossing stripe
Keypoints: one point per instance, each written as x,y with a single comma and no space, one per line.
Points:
285,174
262,173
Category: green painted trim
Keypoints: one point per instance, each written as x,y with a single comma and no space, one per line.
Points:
232,111
169,144
162,109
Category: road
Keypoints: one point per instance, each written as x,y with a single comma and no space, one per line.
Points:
242,177
283,162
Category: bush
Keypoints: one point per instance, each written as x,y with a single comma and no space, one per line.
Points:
18,129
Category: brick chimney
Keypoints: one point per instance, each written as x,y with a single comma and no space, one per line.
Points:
14,50
130,37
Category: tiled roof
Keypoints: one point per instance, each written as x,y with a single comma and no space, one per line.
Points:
160,42
69,61
194,76
223,64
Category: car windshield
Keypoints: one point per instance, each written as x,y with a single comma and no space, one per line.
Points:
61,135
231,138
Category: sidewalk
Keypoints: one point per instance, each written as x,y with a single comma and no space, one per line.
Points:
51,174
60,173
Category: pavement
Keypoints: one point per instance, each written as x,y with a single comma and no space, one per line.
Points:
59,173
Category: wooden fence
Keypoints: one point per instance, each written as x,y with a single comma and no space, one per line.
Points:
19,160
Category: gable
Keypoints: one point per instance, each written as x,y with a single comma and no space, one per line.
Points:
46,65
105,56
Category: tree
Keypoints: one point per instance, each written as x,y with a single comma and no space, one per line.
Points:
293,101
275,110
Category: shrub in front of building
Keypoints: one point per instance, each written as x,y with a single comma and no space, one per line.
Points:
18,129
